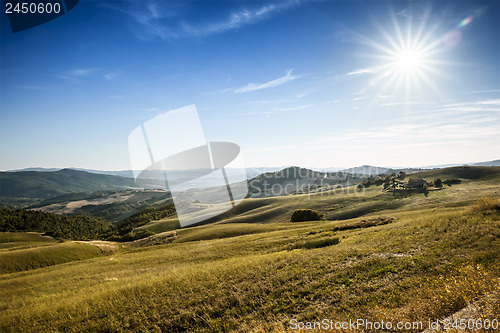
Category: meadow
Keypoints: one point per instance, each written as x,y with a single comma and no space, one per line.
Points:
254,271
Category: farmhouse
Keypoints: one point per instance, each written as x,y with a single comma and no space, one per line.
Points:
416,183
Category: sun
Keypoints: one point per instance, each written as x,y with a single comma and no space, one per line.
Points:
406,59
409,61
406,67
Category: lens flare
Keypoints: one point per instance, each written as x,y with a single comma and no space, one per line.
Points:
465,21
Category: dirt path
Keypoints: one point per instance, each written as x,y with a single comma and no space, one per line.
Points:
105,246
479,311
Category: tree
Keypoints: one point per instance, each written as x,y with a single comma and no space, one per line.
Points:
438,182
301,215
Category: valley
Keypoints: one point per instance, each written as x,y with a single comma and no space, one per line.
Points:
374,256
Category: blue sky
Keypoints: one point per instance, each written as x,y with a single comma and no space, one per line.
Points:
309,83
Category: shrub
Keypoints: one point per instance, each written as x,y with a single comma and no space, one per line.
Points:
301,215
452,181
316,243
486,204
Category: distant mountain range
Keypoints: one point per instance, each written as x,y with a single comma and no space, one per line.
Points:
487,163
43,185
253,172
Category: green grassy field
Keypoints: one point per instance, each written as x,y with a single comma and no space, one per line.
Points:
254,271
22,251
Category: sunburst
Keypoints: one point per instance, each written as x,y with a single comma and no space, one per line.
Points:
407,58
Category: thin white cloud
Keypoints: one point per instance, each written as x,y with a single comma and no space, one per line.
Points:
361,92
487,91
160,20
33,87
110,76
397,103
236,20
361,71
495,102
268,149
223,91
270,84
80,72
77,73
404,13
488,105
151,109
468,122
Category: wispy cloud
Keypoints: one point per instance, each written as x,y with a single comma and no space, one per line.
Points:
111,75
468,123
270,84
488,105
269,149
81,71
76,73
405,13
237,19
158,20
398,103
33,87
361,71
495,102
485,91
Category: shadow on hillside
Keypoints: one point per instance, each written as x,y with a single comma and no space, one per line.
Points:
364,210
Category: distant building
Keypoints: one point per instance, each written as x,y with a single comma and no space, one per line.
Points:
416,183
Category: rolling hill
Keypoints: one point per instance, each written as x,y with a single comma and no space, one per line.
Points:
43,185
294,180
340,203
111,205
461,172
416,259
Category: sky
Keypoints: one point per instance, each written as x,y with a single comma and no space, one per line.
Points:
309,83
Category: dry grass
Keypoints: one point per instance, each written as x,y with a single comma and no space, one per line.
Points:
158,239
486,204
433,257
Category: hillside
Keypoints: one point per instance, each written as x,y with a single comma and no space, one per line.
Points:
419,262
337,202
43,185
113,206
69,227
461,172
28,251
488,163
296,180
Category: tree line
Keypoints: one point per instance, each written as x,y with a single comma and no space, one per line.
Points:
60,226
